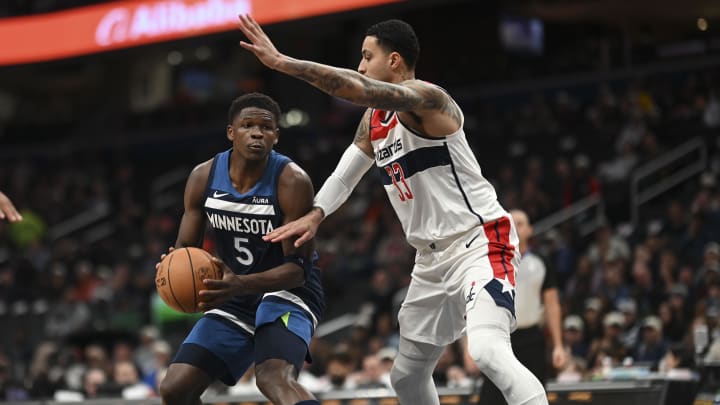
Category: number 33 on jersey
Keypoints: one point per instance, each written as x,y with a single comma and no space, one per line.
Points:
434,183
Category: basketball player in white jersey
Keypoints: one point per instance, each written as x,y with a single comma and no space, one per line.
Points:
466,242
8,210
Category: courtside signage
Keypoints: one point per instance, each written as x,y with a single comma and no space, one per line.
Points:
129,23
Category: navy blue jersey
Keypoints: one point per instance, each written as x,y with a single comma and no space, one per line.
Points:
238,222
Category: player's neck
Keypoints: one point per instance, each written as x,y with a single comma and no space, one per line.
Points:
404,76
244,174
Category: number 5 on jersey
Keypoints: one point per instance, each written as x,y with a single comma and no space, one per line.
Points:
395,171
246,257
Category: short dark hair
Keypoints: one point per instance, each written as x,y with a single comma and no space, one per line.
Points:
397,36
258,100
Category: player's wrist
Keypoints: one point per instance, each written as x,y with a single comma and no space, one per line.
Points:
318,213
280,63
240,286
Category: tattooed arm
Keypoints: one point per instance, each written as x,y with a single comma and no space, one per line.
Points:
411,95
362,135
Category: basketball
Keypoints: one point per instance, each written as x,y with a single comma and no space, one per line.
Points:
180,277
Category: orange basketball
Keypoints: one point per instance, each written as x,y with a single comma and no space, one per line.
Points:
180,277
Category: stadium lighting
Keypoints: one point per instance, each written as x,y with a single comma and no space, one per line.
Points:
175,58
702,24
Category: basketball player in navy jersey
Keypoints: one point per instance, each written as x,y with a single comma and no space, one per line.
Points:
467,247
8,210
268,302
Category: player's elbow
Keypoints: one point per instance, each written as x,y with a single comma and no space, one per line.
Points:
299,269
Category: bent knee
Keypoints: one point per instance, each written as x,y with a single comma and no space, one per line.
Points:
274,374
402,379
484,353
396,376
171,390
182,386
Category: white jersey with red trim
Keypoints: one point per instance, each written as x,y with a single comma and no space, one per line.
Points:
434,184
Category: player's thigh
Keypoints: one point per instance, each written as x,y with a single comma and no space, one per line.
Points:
490,311
428,313
219,347
282,332
488,278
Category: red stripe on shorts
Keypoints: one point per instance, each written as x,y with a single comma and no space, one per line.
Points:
500,251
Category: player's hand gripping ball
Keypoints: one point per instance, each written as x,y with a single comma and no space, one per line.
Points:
180,275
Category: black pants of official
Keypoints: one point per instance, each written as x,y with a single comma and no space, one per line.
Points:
529,347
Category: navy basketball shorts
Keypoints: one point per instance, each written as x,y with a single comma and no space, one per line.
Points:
219,347
282,331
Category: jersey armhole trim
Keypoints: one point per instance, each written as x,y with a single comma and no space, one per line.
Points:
462,191
211,176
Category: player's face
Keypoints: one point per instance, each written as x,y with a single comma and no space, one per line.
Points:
253,133
375,61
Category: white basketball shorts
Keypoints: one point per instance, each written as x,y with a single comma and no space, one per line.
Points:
446,281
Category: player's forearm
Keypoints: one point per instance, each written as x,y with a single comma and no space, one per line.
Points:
283,277
351,85
190,232
353,165
553,315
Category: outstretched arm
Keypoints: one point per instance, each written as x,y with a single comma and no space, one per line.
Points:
353,164
8,210
295,195
411,95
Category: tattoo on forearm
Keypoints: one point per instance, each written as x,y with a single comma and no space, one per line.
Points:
356,88
389,97
319,77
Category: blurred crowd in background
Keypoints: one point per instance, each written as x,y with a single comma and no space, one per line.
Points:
81,316
99,183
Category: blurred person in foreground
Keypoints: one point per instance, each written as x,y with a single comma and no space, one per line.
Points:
464,274
8,210
536,291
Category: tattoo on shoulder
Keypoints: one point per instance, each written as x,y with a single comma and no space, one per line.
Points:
435,98
362,134
451,109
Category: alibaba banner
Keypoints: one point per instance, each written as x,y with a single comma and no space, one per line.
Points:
129,23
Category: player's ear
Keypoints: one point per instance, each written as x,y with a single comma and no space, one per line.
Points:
395,60
277,136
230,133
